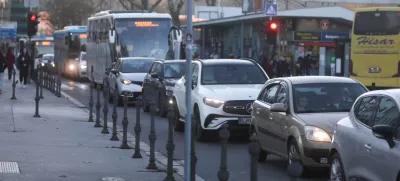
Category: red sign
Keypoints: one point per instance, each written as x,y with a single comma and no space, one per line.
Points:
324,24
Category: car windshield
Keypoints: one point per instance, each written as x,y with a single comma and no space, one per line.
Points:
136,65
48,58
326,97
174,70
232,74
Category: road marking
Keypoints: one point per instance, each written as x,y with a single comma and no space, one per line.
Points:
9,167
145,148
66,87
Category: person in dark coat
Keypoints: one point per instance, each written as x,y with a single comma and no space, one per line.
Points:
10,62
24,63
3,65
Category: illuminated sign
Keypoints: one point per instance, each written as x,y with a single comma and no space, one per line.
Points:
145,24
306,36
82,36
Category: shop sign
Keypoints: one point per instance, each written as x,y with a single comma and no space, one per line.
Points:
332,36
324,24
306,36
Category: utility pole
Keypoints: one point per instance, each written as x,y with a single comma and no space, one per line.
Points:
287,4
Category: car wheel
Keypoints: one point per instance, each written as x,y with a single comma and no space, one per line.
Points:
199,132
336,171
262,156
161,107
179,126
293,167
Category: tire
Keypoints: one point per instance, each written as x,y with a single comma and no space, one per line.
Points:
291,149
200,133
161,106
179,126
262,156
336,169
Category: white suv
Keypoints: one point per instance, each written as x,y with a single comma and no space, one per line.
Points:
223,92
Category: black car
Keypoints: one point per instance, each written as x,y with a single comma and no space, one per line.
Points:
159,83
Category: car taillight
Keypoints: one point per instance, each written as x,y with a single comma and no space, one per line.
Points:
398,70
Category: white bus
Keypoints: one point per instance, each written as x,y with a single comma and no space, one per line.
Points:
115,34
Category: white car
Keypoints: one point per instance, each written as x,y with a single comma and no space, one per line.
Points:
223,92
366,144
127,75
82,66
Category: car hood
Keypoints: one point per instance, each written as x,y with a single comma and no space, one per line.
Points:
325,121
232,92
133,76
170,81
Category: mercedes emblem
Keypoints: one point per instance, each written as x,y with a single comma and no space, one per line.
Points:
249,108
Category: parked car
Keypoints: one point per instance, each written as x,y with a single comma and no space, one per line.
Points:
366,143
82,66
159,83
222,93
297,115
127,75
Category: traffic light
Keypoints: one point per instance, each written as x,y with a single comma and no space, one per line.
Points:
272,32
32,21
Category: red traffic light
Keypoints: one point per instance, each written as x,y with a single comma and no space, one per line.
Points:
273,26
33,17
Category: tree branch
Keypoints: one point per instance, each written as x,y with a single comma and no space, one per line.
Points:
154,5
136,5
180,5
122,2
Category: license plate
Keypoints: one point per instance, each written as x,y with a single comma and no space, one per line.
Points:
244,120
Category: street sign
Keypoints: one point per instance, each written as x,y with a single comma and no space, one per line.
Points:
271,9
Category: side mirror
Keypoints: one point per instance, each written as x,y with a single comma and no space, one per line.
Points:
278,107
111,36
385,132
194,84
155,76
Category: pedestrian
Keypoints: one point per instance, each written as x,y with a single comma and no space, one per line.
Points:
10,62
24,62
3,65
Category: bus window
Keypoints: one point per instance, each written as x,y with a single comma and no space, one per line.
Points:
377,23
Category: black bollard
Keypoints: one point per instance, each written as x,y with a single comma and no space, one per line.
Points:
125,123
97,124
170,144
91,99
137,129
152,138
58,85
40,75
223,174
37,98
13,85
193,154
114,136
254,150
105,108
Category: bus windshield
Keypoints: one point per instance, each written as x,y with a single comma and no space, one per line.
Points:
44,47
143,37
377,23
78,41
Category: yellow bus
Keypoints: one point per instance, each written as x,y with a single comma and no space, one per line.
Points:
375,45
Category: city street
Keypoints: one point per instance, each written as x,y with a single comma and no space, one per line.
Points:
208,153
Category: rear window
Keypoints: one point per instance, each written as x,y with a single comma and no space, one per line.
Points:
377,23
174,70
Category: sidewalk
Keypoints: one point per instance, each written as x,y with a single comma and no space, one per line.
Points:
61,145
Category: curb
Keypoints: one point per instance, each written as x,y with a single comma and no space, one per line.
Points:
160,158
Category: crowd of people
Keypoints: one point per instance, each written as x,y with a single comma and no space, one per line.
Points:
8,61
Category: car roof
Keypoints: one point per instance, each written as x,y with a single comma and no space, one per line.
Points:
139,58
226,61
318,79
389,92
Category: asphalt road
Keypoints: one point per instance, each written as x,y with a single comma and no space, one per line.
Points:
208,153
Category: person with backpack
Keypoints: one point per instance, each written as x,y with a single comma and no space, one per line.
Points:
24,61
10,62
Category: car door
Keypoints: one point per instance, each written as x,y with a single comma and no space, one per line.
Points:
112,77
146,92
264,127
355,154
154,82
380,160
180,93
280,120
256,117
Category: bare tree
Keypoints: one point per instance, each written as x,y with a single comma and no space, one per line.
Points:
143,5
174,7
62,12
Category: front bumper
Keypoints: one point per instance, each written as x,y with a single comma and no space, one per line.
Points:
134,91
83,72
314,154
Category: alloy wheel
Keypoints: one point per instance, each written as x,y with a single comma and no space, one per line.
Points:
336,173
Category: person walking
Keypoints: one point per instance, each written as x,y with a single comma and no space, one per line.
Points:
10,62
24,62
3,65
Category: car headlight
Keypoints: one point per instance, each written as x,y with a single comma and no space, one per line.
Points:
316,134
71,67
125,81
52,64
42,64
213,102
169,88
83,66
